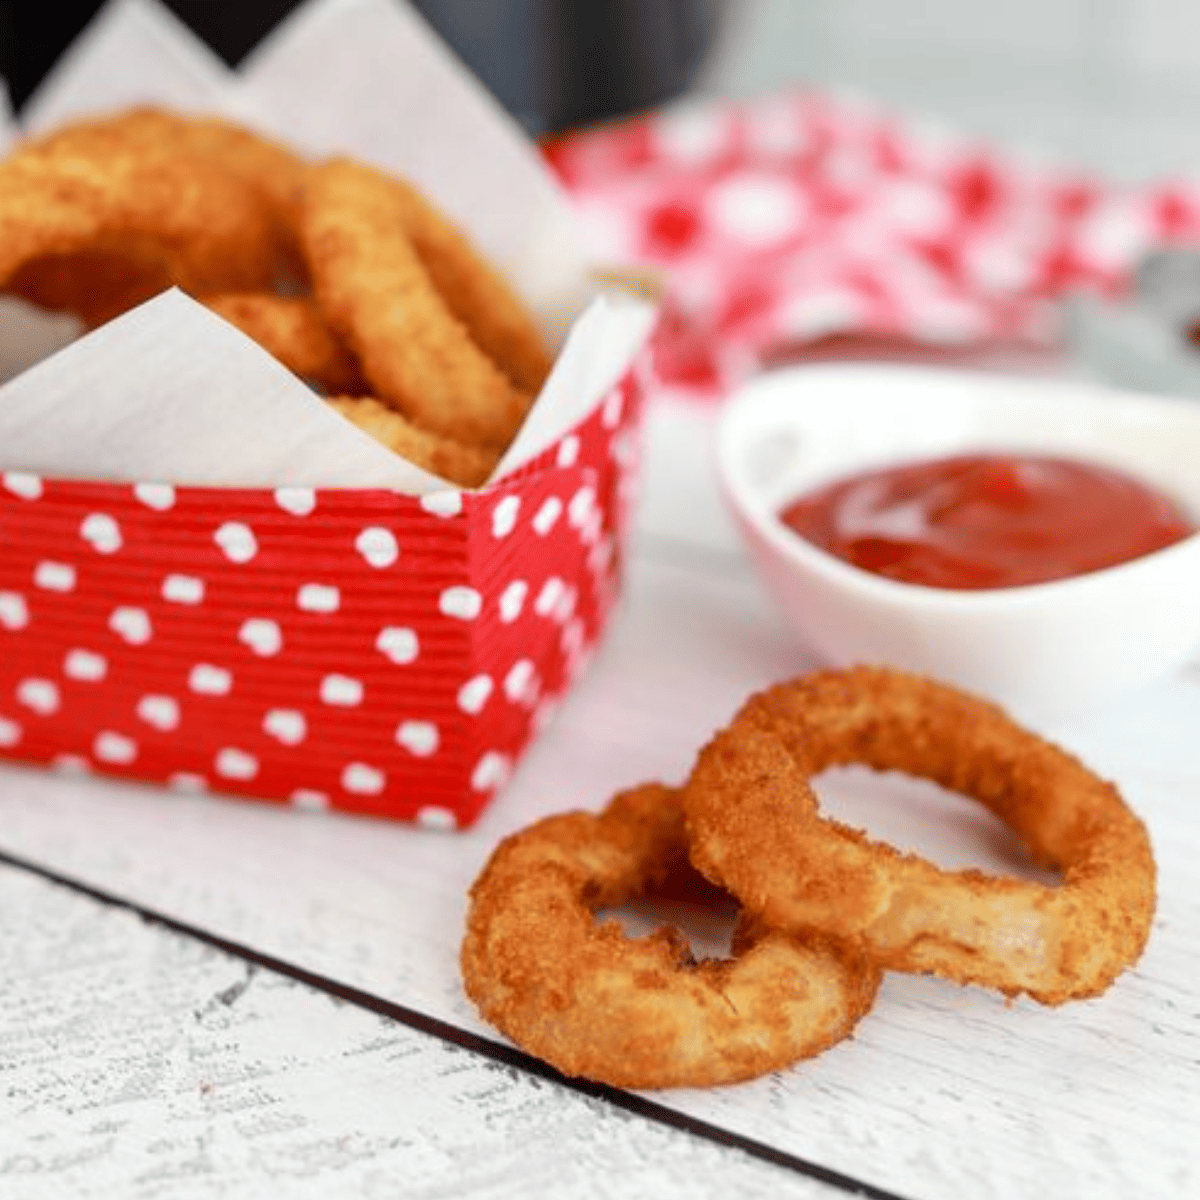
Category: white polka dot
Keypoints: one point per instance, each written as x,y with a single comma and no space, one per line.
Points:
1115,233
187,782
299,501
10,732
624,448
287,725
85,666
23,483
114,748
41,695
547,516
473,694
341,690
512,600
131,624
601,555
310,800
521,684
209,680
160,711
462,602
564,609
319,598
74,766
504,516
548,596
363,779
14,612
439,819
491,771
573,637
568,450
582,505
378,546
398,644
262,635
691,133
418,737
237,541
757,211
54,576
101,532
232,763
443,504
591,528
183,589
614,405
158,496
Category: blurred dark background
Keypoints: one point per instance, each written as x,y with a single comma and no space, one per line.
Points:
554,64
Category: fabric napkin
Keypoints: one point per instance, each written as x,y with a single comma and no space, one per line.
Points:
786,221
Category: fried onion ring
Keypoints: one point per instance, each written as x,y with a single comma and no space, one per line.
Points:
207,229
292,329
640,1012
96,285
476,294
468,466
755,829
379,298
271,170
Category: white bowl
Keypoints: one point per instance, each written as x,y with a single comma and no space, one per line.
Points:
1040,649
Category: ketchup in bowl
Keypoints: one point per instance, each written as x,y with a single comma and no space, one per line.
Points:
979,521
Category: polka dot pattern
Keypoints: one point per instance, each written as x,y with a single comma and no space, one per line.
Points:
347,649
781,220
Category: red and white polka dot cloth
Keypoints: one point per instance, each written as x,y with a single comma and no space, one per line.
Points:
360,650
785,219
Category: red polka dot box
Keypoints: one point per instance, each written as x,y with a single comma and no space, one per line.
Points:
369,651
318,638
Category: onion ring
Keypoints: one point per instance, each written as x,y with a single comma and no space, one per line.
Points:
639,1012
476,294
293,330
379,298
96,285
208,229
755,829
271,170
467,466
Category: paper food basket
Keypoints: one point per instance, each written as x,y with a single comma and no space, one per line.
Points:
208,580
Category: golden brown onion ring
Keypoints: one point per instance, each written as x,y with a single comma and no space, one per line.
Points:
755,829
640,1012
468,466
271,170
474,292
95,284
379,298
207,229
294,331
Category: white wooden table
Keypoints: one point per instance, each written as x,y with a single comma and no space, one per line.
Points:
204,998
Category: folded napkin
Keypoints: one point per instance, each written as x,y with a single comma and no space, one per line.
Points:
781,222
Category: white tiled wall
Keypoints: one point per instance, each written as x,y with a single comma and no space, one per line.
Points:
1111,84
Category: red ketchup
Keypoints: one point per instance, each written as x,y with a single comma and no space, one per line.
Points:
979,521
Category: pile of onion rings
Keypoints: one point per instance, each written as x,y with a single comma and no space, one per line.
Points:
824,909
349,276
